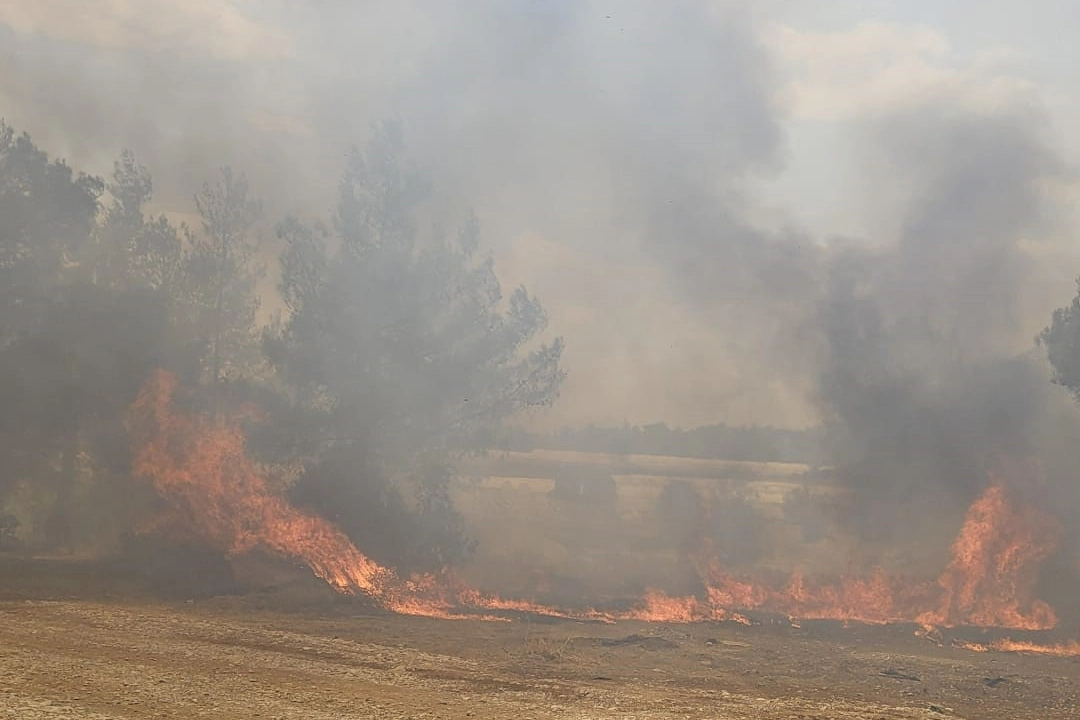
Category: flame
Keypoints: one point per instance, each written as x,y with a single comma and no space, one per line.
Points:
658,606
214,490
1067,649
991,579
989,582
200,467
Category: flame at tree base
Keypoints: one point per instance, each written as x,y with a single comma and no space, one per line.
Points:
215,491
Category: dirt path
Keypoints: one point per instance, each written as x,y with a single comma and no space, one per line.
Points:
216,660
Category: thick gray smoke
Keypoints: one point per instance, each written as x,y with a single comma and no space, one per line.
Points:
931,380
611,150
607,148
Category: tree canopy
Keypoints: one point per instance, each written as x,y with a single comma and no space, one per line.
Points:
399,348
395,351
1061,339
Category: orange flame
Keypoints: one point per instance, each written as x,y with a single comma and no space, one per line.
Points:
202,470
1068,649
215,490
991,579
657,606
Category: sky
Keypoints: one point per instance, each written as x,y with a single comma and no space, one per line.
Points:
671,179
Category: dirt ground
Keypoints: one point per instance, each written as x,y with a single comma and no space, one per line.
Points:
76,652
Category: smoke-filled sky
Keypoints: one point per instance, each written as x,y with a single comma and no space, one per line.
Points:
680,183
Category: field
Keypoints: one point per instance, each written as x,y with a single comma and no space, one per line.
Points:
529,543
96,639
225,658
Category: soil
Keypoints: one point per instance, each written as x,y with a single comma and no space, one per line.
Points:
75,646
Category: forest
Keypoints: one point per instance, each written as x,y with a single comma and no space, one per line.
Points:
385,352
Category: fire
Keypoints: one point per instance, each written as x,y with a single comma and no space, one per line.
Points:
657,606
991,579
876,600
200,467
1068,649
214,490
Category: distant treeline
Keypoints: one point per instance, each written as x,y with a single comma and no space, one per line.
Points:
749,443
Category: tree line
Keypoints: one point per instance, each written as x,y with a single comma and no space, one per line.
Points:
394,351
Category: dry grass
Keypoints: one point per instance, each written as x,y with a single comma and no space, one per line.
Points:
122,660
532,545
543,647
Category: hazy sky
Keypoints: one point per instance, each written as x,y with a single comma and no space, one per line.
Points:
665,176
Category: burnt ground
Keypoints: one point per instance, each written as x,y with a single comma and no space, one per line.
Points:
76,642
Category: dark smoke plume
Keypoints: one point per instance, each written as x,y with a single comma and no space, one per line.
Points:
612,151
931,381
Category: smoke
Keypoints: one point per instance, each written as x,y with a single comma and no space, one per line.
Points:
931,382
607,147
614,152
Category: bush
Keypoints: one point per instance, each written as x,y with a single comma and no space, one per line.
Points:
585,489
682,514
353,493
722,522
736,528
9,524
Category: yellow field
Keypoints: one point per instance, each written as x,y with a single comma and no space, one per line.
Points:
639,479
529,542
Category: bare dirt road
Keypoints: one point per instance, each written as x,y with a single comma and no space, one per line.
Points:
95,658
